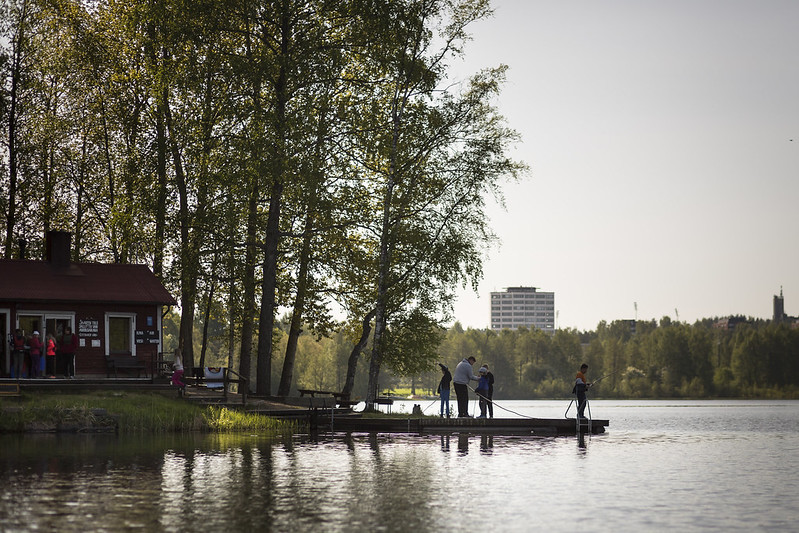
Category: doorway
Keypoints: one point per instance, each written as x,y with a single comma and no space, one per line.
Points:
5,335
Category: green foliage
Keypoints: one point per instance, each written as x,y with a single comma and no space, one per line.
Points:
659,361
134,413
221,419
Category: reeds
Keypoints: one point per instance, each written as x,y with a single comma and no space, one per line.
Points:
127,412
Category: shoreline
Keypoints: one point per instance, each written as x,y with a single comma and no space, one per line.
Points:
123,412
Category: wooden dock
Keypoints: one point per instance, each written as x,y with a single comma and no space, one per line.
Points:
491,426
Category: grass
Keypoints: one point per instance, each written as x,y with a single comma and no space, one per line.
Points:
130,412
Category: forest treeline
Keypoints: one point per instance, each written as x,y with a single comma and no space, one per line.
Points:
261,156
649,359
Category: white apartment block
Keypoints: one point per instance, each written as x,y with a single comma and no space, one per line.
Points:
523,306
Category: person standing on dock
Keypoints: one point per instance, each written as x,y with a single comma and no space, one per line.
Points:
581,385
67,349
464,374
17,353
443,388
490,393
482,390
50,356
36,356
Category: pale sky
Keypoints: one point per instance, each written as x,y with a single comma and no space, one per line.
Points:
663,170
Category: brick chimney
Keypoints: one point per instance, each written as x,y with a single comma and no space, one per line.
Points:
57,248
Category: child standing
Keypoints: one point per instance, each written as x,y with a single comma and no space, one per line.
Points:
482,391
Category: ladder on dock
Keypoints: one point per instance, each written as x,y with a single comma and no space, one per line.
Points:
583,425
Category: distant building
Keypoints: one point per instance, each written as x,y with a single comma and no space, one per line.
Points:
779,308
779,312
523,306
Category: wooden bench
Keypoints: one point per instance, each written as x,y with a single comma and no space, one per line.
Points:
125,362
312,393
388,402
343,400
229,377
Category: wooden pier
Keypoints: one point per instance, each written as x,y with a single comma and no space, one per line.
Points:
492,426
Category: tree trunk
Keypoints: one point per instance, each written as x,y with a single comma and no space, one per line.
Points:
272,241
160,207
268,289
11,215
284,389
352,362
248,282
187,278
204,345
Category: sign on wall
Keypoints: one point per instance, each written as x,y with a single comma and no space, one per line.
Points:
147,336
88,327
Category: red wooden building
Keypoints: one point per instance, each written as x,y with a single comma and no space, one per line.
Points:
114,309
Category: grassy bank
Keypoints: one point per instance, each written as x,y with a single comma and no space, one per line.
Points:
127,412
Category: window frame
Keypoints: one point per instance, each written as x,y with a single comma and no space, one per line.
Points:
131,340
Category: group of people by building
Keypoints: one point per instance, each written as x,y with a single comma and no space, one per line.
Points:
33,357
464,374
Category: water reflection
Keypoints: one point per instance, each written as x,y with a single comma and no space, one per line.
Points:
463,444
360,482
486,443
240,484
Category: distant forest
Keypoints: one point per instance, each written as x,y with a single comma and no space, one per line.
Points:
668,359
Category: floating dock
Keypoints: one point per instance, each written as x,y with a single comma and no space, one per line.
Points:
489,426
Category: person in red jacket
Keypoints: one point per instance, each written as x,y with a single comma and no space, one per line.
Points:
50,357
67,349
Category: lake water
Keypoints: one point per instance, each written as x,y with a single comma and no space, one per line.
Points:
662,466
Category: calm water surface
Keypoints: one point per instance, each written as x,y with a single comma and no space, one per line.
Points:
662,466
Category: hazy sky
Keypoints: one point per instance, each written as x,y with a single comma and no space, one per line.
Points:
663,171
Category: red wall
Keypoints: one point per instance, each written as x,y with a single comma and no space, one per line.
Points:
91,359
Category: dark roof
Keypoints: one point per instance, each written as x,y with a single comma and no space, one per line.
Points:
41,281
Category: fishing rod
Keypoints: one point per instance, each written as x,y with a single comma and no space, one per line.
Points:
605,376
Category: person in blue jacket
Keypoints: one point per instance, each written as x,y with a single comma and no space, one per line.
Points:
482,391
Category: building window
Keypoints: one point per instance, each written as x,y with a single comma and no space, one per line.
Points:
119,329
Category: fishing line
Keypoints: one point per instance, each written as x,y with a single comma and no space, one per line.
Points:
498,405
430,405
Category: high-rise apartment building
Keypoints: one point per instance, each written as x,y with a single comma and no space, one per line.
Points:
523,306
